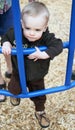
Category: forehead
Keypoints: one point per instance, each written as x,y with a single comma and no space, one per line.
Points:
34,21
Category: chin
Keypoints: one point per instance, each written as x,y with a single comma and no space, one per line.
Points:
32,40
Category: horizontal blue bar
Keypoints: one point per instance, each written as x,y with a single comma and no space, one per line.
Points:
40,92
31,50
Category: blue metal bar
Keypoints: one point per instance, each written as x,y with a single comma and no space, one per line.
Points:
18,37
40,92
31,50
71,46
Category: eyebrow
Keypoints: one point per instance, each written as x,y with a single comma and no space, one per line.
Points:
34,28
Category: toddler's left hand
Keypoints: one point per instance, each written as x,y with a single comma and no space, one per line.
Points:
38,55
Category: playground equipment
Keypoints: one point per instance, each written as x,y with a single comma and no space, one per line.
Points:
19,51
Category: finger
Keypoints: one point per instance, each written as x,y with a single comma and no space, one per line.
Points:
35,59
6,52
30,57
37,49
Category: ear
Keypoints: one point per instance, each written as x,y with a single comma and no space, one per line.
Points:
45,28
22,23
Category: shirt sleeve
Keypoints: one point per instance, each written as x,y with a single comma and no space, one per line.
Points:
9,36
55,45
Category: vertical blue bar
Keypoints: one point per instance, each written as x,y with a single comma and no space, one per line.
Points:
18,38
71,45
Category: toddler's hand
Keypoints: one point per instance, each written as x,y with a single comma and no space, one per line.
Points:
6,48
38,55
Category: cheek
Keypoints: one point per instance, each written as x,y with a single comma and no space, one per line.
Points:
40,34
25,33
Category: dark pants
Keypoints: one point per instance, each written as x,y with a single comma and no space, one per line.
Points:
40,100
15,88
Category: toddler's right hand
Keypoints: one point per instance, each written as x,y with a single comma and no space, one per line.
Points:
6,48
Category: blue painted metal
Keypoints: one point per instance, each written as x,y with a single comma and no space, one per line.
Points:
31,50
18,37
71,45
19,51
42,92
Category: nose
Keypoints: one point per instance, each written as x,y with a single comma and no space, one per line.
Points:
32,33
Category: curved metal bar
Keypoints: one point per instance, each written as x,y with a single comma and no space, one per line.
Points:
31,50
40,92
26,51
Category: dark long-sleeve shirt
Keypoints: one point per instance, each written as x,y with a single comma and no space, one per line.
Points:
38,69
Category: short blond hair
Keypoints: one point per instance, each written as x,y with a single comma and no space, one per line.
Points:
36,9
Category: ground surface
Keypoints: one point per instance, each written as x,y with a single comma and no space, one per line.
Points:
60,106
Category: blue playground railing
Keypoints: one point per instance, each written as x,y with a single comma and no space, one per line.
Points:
20,51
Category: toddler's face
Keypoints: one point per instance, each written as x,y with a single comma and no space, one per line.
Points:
33,27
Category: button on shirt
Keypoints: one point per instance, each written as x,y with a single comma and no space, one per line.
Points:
5,5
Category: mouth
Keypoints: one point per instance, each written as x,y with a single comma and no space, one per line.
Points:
31,37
